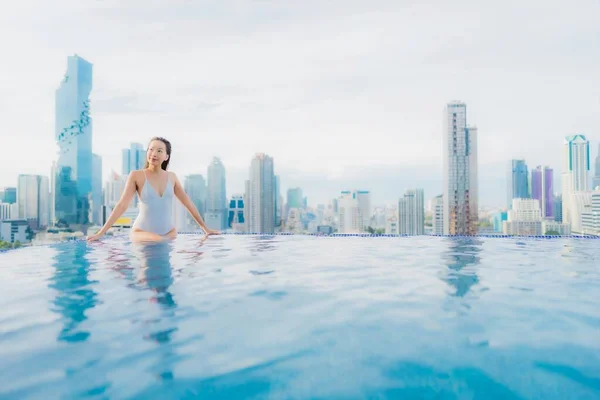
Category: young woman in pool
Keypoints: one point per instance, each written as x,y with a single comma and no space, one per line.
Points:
156,188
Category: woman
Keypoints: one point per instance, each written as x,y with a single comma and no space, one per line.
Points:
156,188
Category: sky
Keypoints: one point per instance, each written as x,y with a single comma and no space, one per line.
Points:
341,93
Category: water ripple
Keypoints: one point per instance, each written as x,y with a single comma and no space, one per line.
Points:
302,317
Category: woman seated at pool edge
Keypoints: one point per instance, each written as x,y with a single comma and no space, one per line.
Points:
156,188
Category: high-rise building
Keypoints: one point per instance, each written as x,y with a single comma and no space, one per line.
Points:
596,180
524,218
96,204
277,194
6,211
518,185
260,204
364,203
542,189
558,217
216,202
235,218
575,177
195,187
33,199
73,128
295,198
351,219
437,220
133,158
460,173
498,220
590,218
411,213
113,189
10,195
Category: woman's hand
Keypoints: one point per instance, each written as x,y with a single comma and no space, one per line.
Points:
95,237
211,232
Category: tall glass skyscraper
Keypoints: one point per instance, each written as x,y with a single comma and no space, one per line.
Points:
518,185
461,210
542,189
260,203
96,189
73,133
9,195
133,158
195,187
216,203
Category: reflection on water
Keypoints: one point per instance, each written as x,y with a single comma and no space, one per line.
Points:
288,317
156,274
262,243
155,271
461,256
74,290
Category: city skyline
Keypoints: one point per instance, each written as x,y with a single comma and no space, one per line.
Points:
323,78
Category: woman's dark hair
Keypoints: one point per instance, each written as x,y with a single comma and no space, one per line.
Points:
165,163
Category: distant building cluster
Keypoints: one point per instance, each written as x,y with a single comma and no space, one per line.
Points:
75,197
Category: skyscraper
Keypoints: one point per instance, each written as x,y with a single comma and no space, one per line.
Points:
460,172
518,186
437,219
33,199
542,189
216,203
575,177
236,212
73,129
558,209
10,195
596,180
260,206
411,213
277,194
96,189
195,187
133,158
294,198
354,208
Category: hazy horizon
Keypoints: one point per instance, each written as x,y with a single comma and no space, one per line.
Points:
339,93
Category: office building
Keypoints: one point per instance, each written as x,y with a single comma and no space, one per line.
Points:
542,189
73,133
460,172
33,199
133,158
235,218
518,184
260,204
575,177
437,217
216,202
9,195
524,218
411,213
14,230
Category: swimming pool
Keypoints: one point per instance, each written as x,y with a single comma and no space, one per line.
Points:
302,317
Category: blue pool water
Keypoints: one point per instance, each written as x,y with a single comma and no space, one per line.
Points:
299,317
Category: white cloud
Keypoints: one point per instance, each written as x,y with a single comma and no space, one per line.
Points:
321,86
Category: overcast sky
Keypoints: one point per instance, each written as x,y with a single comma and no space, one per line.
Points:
331,89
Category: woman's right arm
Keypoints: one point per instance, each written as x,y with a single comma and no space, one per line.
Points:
120,207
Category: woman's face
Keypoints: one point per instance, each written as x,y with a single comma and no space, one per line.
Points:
157,153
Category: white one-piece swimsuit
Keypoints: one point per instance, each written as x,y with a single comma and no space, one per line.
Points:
156,212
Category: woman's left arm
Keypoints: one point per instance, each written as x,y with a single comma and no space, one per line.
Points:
189,205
